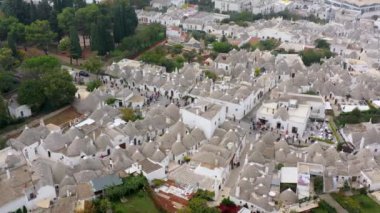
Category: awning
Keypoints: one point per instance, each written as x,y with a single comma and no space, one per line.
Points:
45,203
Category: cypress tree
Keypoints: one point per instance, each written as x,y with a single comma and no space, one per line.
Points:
124,21
101,38
12,43
75,49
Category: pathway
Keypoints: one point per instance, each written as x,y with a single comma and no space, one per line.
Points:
331,201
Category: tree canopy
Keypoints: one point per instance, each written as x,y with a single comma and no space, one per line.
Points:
4,114
94,65
36,66
222,47
51,91
40,34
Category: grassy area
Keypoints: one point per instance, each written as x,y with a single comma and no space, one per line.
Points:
357,203
357,116
324,207
139,203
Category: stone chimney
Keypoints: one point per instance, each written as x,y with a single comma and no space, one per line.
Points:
42,123
8,174
237,191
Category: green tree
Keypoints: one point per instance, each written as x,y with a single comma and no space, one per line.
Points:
18,31
31,93
12,43
199,205
7,61
59,89
105,205
227,202
94,65
37,66
322,44
44,10
66,19
75,49
92,85
79,4
222,47
16,8
7,82
101,38
85,17
59,5
128,114
124,21
177,49
189,55
311,56
6,26
64,44
211,75
39,33
4,114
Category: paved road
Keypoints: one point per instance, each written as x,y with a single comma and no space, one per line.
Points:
333,203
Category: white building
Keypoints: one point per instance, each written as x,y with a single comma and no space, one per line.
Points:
370,179
18,111
151,170
290,118
232,5
205,116
316,102
160,4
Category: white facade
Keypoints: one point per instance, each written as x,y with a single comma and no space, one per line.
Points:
282,36
288,119
232,5
22,111
14,205
203,118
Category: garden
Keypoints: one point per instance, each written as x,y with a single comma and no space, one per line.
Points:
133,196
357,203
324,207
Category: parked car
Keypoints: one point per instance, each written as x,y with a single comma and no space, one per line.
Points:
83,73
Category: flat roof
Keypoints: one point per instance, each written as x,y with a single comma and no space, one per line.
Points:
373,175
104,182
289,174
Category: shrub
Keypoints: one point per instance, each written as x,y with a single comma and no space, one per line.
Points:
92,85
227,202
211,75
187,159
111,101
157,182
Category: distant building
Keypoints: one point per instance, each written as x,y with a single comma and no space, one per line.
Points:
362,6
